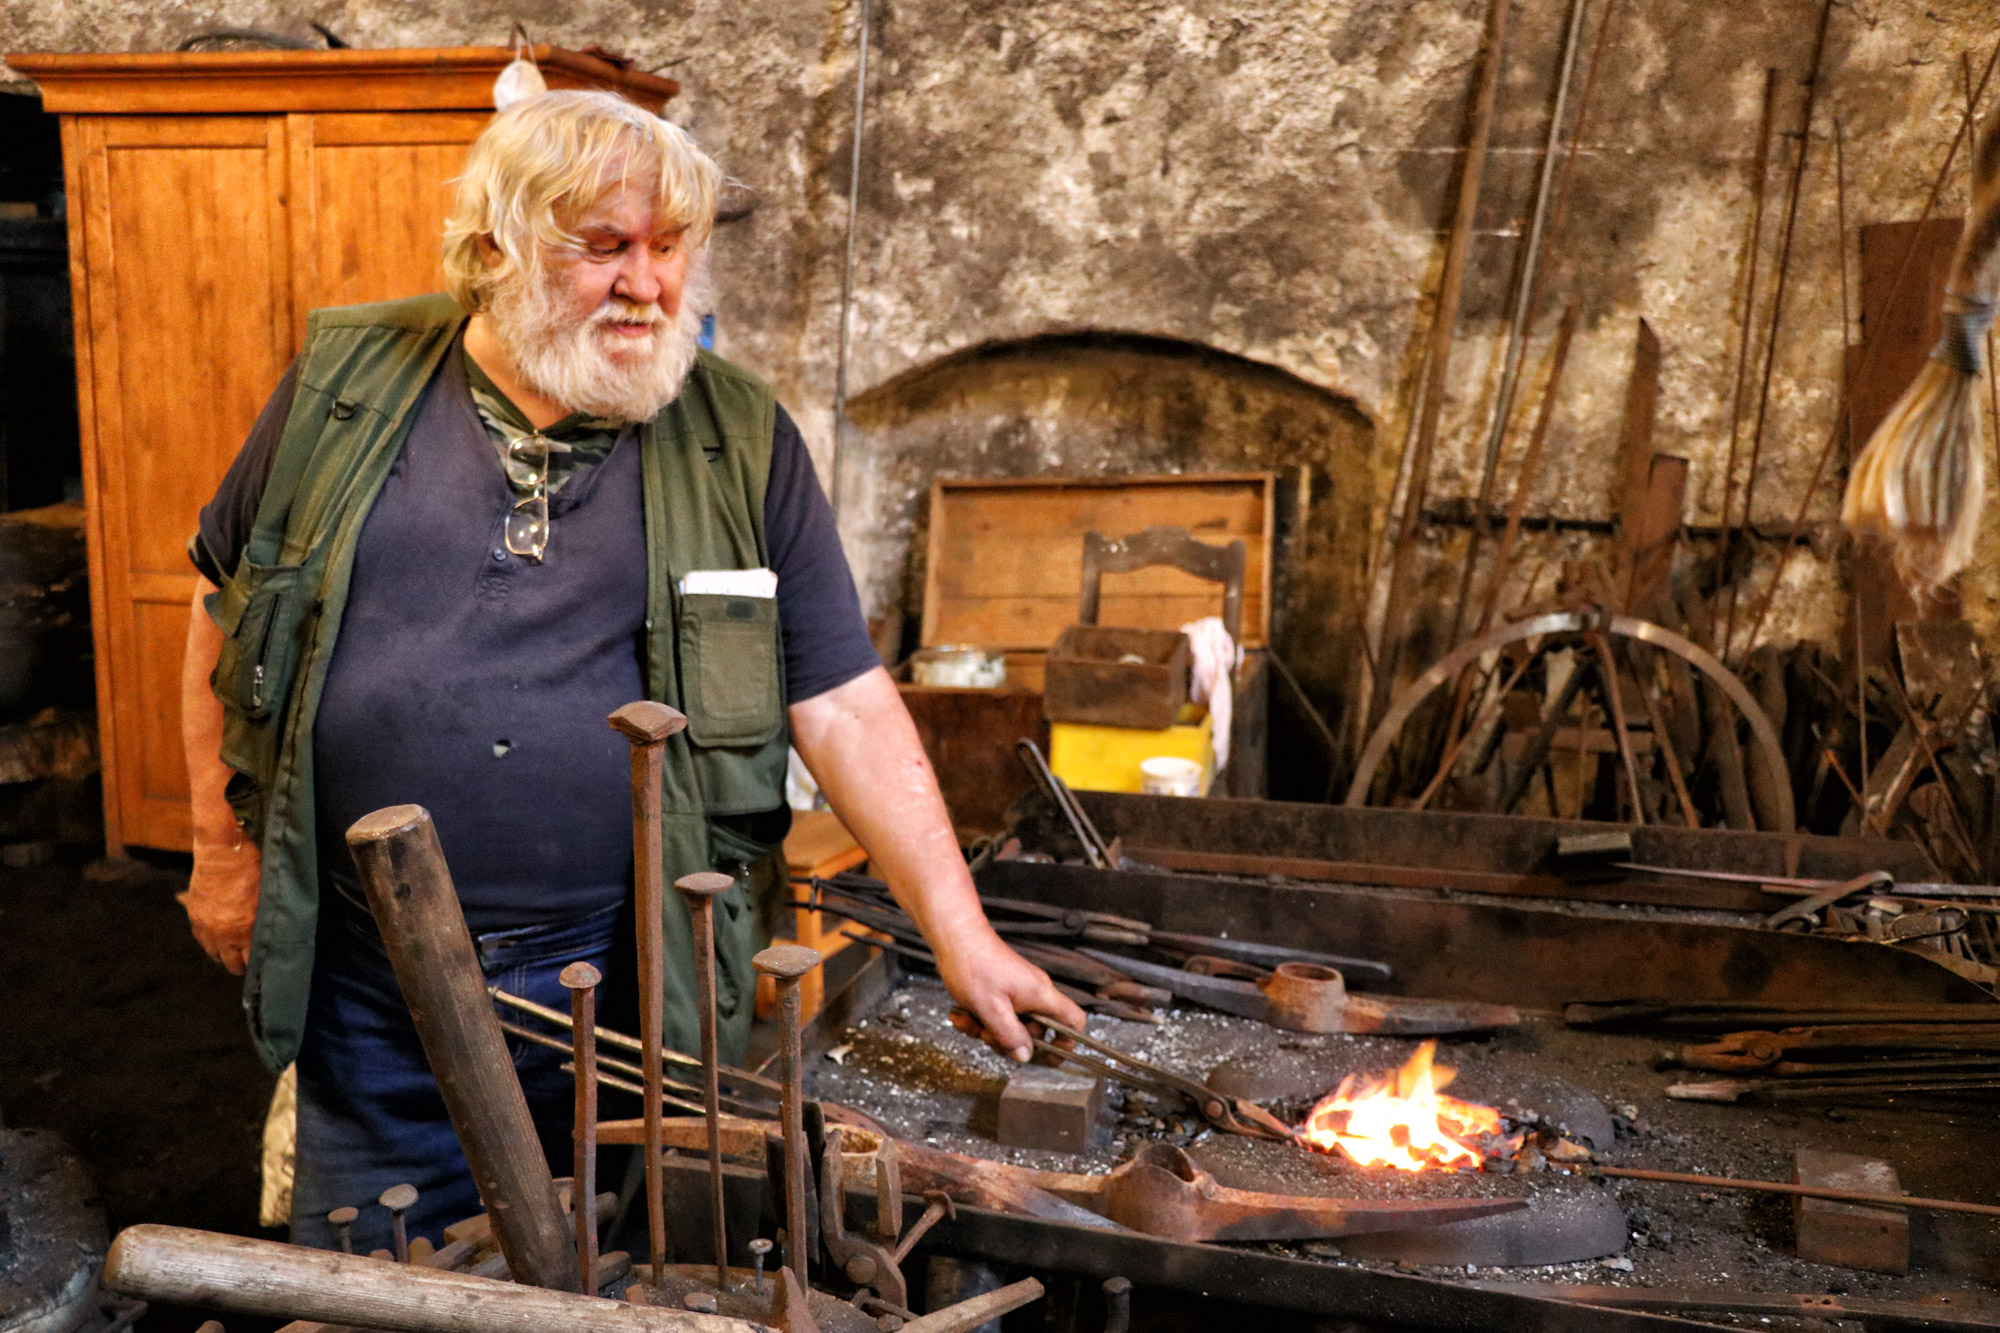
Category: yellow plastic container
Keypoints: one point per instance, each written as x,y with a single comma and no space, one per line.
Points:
1108,758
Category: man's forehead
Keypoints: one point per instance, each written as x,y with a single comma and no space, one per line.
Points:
626,212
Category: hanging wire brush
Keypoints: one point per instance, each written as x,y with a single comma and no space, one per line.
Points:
1922,479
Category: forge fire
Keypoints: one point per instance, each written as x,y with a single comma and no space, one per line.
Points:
1406,1122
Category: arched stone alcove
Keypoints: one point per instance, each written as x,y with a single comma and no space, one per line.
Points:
1106,404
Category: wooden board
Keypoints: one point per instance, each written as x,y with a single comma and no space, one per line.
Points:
1005,565
417,78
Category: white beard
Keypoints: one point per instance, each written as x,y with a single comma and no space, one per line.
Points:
575,362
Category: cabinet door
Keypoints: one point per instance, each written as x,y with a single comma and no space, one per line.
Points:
184,311
371,194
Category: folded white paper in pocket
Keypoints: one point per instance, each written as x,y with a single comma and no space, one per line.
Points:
730,582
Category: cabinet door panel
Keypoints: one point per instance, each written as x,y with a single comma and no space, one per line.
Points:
381,189
196,274
188,293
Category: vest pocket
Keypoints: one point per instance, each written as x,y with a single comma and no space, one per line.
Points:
259,612
731,688
259,622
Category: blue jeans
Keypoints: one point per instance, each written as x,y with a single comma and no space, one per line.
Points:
370,1113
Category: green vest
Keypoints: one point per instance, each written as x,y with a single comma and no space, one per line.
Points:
705,463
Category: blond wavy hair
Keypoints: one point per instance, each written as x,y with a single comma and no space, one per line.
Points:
545,162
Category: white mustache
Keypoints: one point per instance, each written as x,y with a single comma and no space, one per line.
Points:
624,312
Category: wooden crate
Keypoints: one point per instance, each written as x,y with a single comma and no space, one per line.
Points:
1005,570
1113,676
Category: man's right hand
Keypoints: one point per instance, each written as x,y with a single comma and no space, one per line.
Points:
221,902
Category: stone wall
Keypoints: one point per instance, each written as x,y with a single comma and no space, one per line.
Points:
1248,201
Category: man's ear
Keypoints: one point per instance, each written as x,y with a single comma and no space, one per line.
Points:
489,253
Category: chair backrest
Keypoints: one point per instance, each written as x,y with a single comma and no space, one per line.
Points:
1164,546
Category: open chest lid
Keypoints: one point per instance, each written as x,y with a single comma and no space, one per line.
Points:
1005,557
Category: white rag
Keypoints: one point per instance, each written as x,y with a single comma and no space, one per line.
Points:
1216,658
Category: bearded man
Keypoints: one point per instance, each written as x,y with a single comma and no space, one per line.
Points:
464,530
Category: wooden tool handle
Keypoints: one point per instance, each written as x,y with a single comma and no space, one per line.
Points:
262,1277
423,929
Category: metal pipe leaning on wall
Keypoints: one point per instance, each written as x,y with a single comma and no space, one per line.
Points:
424,932
263,1277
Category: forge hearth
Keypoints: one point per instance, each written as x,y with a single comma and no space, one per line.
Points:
904,1065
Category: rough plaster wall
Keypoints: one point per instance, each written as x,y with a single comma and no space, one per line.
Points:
1270,180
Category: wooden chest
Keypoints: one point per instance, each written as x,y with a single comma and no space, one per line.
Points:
1004,569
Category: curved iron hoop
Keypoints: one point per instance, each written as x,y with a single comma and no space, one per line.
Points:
1762,733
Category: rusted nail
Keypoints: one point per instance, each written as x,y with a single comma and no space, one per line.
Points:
1117,1304
581,980
888,1193
698,891
940,1208
786,964
343,1227
648,726
398,1199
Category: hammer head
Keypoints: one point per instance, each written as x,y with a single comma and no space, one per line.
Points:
646,722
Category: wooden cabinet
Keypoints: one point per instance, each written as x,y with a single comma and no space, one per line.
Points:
215,199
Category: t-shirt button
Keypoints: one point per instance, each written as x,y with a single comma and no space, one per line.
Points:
499,554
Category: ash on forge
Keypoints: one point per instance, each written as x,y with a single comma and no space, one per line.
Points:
1528,1114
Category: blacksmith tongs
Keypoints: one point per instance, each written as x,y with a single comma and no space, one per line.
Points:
1236,1115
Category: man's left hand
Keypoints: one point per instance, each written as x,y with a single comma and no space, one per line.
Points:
996,984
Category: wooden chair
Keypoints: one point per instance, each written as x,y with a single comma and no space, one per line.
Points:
1164,546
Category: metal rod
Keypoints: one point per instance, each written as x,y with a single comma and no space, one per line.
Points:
1444,323
1524,304
648,725
1668,750
1608,671
698,891
605,1062
1094,849
847,263
613,1037
1869,347
1778,295
1802,1191
1558,361
581,980
1754,248
786,964
1479,721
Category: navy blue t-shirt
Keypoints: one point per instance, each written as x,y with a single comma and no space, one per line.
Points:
826,638
475,682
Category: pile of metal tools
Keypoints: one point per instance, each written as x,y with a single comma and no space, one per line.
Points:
1853,1054
1296,989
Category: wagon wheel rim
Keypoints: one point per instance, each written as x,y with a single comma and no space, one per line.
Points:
1763,736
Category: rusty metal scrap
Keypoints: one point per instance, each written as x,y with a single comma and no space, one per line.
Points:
1305,998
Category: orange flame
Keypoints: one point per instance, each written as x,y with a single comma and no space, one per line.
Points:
1402,1121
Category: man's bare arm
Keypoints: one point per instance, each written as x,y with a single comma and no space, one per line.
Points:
861,745
221,897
